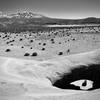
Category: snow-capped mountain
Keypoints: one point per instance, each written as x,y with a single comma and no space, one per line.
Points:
30,21
26,15
21,15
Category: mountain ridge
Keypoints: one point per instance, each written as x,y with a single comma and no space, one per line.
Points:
29,21
21,15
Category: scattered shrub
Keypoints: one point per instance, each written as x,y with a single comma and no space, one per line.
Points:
26,54
20,39
68,50
73,39
53,42
43,49
44,44
52,39
31,41
7,42
39,43
65,41
11,44
22,47
7,50
34,54
60,53
59,42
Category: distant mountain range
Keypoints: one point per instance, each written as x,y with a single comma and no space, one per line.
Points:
29,21
21,15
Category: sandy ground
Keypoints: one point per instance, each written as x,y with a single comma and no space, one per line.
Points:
20,44
14,84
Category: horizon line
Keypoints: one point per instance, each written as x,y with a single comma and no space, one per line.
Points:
8,13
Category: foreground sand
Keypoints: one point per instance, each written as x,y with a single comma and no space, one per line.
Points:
27,79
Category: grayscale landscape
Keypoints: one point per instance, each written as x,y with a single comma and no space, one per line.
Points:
52,53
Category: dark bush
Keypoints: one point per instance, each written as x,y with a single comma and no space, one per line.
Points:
44,44
20,39
7,42
60,53
43,49
34,54
73,39
68,40
11,44
65,41
53,42
31,41
52,39
26,54
39,43
68,50
7,50
31,48
59,42
22,47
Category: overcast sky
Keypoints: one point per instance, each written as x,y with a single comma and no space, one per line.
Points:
54,8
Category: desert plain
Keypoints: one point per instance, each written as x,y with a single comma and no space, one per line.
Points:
32,62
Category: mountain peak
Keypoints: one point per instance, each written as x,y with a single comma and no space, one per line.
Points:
26,15
22,15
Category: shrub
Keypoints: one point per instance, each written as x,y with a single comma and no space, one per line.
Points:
60,53
26,54
34,54
44,44
59,42
73,39
31,41
52,39
53,42
39,43
68,50
31,48
7,50
11,44
43,49
22,47
20,39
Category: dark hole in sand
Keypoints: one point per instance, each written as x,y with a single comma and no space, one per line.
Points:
89,72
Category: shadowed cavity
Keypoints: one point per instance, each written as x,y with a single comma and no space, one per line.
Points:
89,72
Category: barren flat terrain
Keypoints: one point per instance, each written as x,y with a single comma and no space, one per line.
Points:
42,66
47,44
32,79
